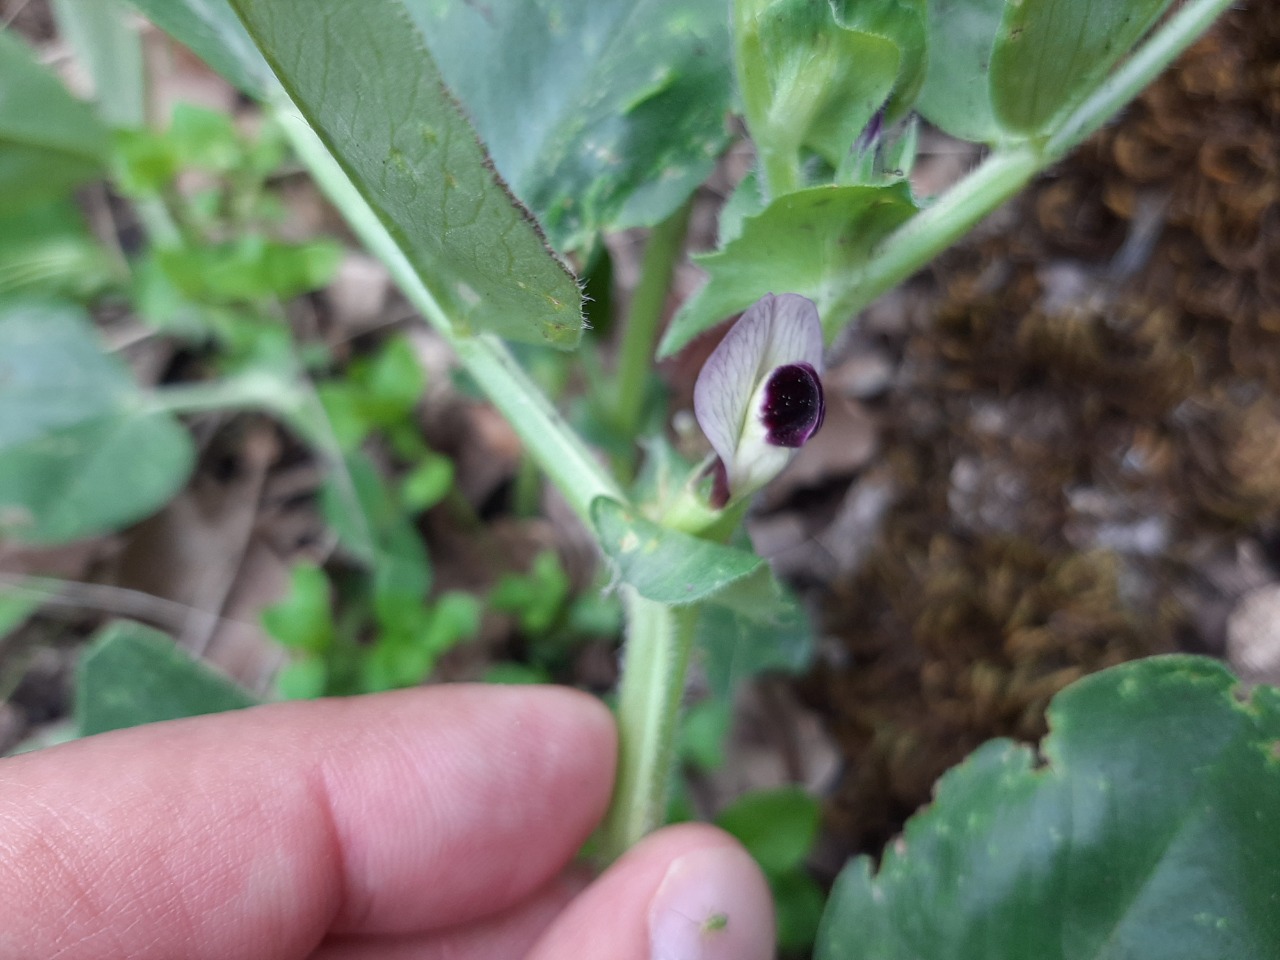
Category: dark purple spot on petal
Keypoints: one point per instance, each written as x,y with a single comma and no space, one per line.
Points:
793,405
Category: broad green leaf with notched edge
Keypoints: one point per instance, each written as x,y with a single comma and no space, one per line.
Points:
49,140
598,113
957,87
904,23
662,564
753,625
131,675
1051,54
79,454
746,200
214,32
1149,830
364,81
814,242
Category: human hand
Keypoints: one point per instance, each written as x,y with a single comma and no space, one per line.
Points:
428,823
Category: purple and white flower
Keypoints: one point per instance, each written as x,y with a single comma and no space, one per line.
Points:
759,397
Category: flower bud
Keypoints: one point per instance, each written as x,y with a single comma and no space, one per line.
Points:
759,396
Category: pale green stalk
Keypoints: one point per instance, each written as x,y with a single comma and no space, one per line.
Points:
644,318
659,642
246,391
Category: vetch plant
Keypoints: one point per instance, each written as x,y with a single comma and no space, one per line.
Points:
477,183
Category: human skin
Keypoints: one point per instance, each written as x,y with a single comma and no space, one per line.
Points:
439,822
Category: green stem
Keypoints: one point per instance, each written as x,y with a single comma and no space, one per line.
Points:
549,440
659,641
158,220
249,391
635,361
1143,66
781,168
938,226
1006,171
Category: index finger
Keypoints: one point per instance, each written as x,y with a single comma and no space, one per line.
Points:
255,833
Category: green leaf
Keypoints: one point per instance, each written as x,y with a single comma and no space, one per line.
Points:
753,626
249,268
778,827
536,598
1148,830
204,138
662,564
144,162
104,37
370,522
79,452
406,650
807,80
303,679
1050,55
212,29
303,619
361,77
46,250
392,383
600,114
14,612
957,88
516,674
747,200
703,732
428,483
343,403
815,242
455,616
132,675
799,901
905,22
50,142
401,574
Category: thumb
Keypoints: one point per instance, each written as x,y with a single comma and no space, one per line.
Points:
688,892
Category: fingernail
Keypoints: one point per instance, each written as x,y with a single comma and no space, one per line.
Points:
713,904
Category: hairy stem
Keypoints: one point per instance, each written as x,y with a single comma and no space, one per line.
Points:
640,336
247,391
549,440
659,641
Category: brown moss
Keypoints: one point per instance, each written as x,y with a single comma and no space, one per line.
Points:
1094,405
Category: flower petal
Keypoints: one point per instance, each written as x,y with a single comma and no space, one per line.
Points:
774,332
759,395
